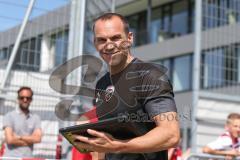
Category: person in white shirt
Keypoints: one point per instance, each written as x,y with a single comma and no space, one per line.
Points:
227,144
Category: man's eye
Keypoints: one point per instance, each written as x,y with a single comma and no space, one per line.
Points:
101,40
116,38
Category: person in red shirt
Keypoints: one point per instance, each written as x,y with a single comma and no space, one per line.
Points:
91,117
175,153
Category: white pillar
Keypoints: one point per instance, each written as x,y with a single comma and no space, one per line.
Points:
76,36
47,54
75,48
196,72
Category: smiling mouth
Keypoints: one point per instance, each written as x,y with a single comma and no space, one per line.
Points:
106,53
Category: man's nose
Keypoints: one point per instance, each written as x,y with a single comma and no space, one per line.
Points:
110,46
25,99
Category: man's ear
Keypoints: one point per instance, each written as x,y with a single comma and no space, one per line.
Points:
94,42
130,37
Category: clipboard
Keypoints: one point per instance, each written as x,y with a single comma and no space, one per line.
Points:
120,127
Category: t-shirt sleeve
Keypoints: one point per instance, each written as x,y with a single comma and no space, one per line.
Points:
7,121
160,97
221,143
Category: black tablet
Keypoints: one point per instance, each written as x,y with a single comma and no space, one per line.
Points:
119,127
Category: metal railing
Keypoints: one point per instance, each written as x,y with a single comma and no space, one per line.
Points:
19,158
201,156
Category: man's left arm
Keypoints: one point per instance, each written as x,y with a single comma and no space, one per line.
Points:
165,135
35,137
160,104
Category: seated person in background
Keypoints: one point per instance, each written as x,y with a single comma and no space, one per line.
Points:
228,143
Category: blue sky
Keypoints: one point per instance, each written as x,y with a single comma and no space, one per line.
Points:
13,11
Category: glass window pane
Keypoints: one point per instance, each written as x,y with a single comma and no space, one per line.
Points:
156,25
137,23
4,53
213,68
166,63
166,18
88,44
179,18
238,62
60,46
182,73
155,30
221,66
1,54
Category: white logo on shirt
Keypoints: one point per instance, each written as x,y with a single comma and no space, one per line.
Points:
109,93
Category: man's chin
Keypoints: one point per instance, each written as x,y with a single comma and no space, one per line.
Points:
24,107
117,59
113,63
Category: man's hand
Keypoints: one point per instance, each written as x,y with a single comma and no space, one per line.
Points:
102,142
35,137
233,153
163,136
229,154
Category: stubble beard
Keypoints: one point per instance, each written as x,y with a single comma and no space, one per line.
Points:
118,62
24,108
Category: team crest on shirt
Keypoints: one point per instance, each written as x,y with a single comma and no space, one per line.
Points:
109,93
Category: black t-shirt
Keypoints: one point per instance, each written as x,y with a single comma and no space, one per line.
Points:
142,91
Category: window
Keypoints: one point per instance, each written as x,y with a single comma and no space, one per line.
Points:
230,64
59,46
166,18
220,12
4,54
210,14
213,68
155,25
167,21
221,66
238,62
166,63
171,20
88,43
28,56
179,71
182,73
137,23
179,18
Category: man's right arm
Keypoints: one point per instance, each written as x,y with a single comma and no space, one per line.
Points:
12,138
221,146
